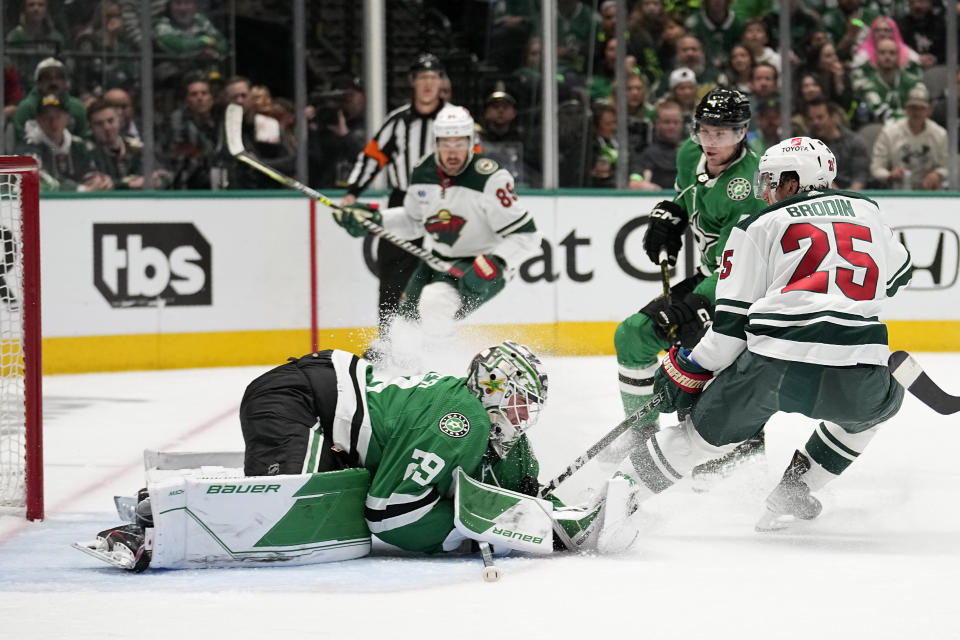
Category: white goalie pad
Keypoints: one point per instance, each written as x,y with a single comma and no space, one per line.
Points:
203,521
487,513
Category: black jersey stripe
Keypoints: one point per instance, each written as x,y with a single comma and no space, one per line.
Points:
357,422
394,510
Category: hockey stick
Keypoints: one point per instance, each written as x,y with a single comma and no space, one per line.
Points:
234,130
910,374
601,444
490,571
663,259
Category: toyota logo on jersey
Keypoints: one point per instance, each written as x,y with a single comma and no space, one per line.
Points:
445,227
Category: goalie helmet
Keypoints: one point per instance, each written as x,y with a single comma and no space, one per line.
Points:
512,386
812,161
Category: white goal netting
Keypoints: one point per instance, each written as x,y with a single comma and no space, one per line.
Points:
12,381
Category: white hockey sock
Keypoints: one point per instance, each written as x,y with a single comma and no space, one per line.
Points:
439,303
669,455
637,381
831,450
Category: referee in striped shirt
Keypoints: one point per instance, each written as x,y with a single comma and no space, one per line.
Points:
405,137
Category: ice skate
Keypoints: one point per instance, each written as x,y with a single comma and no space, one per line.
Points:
705,474
790,500
124,547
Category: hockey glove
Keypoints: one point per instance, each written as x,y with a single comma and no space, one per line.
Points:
483,276
679,380
350,218
691,316
668,221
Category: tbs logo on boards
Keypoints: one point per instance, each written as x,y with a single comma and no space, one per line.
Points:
151,264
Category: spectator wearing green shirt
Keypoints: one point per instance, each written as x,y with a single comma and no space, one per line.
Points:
847,24
117,156
882,89
34,38
50,78
64,161
189,40
717,28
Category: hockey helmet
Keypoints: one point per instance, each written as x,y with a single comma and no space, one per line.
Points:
455,122
512,386
812,161
724,108
426,62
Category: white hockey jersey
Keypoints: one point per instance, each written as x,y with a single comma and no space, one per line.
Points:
466,215
804,280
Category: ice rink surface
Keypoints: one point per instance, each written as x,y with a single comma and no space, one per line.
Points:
881,562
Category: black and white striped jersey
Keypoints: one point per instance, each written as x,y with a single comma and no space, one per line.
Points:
405,137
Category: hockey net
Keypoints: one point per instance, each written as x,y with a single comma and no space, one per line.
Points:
21,445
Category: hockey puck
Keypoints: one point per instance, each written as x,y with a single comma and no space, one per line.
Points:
491,574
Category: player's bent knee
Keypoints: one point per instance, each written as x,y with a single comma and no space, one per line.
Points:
630,338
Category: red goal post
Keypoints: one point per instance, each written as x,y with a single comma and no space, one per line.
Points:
21,436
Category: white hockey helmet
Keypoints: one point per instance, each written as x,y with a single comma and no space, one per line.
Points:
455,122
512,386
809,158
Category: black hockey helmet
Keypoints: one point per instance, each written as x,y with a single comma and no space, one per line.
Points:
723,107
425,62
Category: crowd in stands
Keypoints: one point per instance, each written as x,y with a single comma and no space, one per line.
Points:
868,79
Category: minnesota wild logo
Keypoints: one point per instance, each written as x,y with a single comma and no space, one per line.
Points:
455,425
738,189
445,227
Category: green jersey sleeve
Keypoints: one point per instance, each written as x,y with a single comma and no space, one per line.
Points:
425,427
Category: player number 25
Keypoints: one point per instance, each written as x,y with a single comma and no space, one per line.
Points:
424,468
807,277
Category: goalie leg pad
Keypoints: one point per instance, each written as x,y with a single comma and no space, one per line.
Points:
293,519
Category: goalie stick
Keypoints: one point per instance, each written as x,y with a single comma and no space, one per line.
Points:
234,132
601,444
910,374
490,571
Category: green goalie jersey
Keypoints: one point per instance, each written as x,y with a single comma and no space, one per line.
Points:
421,428
714,205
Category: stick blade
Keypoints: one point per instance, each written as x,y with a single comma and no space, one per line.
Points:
908,372
234,128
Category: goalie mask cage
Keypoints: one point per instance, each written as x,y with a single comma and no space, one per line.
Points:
21,442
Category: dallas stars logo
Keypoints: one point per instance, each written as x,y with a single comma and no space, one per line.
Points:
738,189
493,385
445,227
454,425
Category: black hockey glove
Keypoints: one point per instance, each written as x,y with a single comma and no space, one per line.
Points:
691,316
668,221
680,380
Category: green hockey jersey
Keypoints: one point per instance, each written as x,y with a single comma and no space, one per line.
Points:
714,205
421,428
